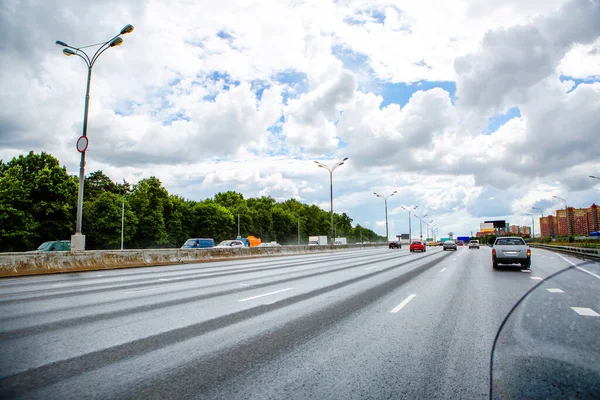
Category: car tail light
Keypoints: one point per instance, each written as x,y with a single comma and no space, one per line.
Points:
493,252
528,252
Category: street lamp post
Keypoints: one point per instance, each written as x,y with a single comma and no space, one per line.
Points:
542,213
330,170
413,208
78,239
421,224
387,234
566,213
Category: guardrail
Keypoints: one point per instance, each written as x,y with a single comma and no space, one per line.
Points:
34,263
582,251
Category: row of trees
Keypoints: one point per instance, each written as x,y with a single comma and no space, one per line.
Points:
38,202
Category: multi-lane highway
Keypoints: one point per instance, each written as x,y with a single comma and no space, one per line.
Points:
374,323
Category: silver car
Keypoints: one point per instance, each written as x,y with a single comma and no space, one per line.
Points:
511,250
450,245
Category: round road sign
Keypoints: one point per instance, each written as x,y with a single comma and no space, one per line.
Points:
82,144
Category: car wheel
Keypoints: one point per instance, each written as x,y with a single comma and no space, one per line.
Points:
495,264
527,265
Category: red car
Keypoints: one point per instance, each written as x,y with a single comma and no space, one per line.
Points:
418,245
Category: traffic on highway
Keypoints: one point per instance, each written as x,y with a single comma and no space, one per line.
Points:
358,323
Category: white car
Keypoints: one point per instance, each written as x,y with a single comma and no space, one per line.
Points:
270,244
474,244
230,243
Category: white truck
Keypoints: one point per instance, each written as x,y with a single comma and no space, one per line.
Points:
340,241
317,240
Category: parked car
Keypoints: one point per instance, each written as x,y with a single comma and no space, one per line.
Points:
450,245
474,244
230,243
55,245
418,245
511,250
197,243
395,245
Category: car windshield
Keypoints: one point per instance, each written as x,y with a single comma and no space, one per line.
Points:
45,246
510,242
226,243
191,242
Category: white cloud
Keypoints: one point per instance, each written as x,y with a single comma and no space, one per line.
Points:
215,96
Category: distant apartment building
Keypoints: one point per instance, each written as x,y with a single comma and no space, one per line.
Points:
548,226
525,230
514,229
572,221
593,218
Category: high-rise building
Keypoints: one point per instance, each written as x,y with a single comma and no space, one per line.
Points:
548,226
580,225
593,218
564,222
514,229
525,231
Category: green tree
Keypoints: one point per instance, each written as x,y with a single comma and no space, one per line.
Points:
38,201
102,220
211,220
148,200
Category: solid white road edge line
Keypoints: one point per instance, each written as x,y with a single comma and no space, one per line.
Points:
266,294
579,268
554,290
404,302
586,312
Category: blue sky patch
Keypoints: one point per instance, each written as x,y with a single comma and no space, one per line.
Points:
224,35
400,93
497,121
578,81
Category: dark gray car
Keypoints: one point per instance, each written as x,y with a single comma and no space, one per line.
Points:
449,245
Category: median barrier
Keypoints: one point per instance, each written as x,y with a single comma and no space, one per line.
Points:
35,263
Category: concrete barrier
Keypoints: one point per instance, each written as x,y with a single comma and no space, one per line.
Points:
33,263
589,252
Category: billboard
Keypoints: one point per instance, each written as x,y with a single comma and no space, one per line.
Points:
404,236
486,227
497,223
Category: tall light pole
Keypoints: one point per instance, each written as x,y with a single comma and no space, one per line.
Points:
428,226
566,213
541,212
421,224
330,170
410,210
78,239
387,234
122,222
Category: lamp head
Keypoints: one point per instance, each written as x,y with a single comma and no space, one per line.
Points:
126,29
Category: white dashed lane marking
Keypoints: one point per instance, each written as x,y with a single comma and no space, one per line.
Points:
585,312
555,290
404,303
536,278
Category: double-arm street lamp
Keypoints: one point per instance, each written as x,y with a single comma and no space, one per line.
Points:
78,240
566,213
387,235
410,210
421,224
330,170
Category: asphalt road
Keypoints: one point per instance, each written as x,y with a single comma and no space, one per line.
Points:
374,323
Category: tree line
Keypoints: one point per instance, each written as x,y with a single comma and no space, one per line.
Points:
38,202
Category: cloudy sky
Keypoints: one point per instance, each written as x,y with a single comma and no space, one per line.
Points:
470,109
